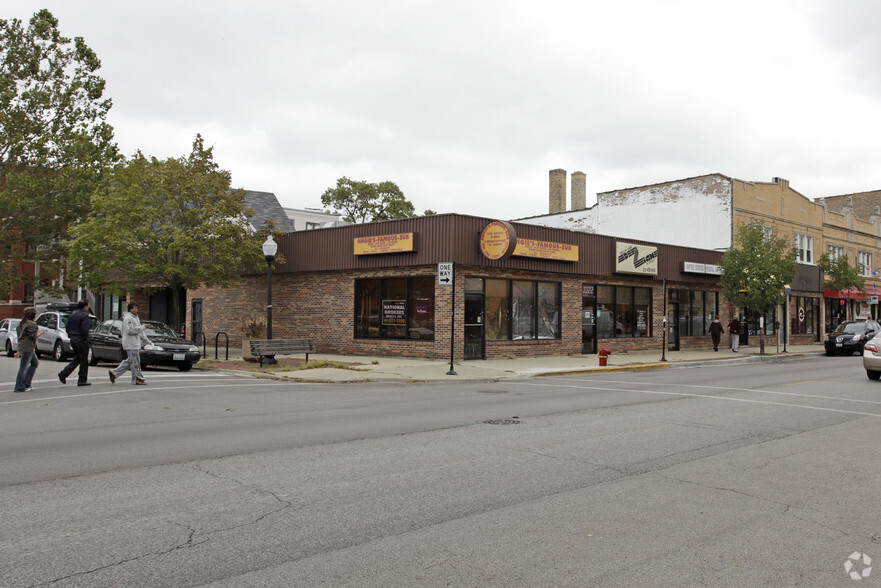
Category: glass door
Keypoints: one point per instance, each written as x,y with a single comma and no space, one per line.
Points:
474,327
673,319
588,325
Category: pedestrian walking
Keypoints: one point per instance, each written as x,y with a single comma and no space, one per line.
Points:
78,324
27,349
734,329
133,338
716,331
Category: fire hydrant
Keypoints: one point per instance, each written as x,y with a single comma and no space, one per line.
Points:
604,357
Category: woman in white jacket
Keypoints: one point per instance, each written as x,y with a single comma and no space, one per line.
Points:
133,338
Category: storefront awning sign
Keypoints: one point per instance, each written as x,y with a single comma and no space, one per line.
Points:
636,259
399,243
546,250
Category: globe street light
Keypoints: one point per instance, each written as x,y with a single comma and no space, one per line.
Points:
270,248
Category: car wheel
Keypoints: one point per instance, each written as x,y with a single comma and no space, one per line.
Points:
830,353
184,367
9,352
93,360
58,352
873,375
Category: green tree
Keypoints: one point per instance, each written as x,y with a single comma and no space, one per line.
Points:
171,223
54,144
360,202
757,271
840,274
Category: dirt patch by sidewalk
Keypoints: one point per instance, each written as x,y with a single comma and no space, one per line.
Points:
284,364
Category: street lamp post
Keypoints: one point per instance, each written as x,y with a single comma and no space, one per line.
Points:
270,248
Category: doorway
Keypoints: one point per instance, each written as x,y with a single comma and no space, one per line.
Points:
588,325
475,343
673,318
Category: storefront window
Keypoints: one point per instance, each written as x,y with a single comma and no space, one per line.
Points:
623,311
420,319
548,310
642,305
395,308
531,310
606,320
523,310
497,310
697,313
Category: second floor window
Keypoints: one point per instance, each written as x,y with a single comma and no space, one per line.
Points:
865,265
834,252
804,248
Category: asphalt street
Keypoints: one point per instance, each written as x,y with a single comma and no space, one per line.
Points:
736,475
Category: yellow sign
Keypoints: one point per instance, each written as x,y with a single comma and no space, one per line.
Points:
546,250
636,259
497,240
399,243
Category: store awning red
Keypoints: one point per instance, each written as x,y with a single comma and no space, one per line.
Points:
851,293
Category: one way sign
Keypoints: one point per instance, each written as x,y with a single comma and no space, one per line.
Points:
445,274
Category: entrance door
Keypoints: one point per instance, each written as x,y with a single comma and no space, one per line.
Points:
673,326
197,332
474,327
588,325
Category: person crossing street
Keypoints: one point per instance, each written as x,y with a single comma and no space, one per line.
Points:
133,338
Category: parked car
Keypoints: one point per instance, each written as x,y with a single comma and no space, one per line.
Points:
9,336
55,341
851,336
168,348
872,358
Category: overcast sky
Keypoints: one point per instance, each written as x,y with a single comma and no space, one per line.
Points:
466,105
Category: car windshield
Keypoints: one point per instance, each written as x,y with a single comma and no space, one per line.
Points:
159,330
850,328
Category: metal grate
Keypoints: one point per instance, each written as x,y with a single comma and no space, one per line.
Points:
512,421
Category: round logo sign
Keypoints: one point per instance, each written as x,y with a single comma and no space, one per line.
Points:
498,240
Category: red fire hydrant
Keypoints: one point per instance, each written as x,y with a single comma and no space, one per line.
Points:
604,357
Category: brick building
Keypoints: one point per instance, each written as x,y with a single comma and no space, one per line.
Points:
514,290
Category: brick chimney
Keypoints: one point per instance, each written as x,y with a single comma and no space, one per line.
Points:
557,191
579,190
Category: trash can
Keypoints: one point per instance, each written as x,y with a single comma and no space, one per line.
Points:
604,357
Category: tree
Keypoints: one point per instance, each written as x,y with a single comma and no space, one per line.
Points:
171,223
840,275
757,271
54,144
364,202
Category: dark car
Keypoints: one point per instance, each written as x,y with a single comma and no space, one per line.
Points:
851,336
168,347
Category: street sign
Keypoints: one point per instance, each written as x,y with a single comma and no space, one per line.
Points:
445,273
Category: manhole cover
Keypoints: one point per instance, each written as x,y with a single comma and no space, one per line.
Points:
513,421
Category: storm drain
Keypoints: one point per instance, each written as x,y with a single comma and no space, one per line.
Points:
512,421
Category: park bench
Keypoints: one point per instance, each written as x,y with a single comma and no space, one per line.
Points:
265,347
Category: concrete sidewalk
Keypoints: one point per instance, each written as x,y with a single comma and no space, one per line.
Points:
402,369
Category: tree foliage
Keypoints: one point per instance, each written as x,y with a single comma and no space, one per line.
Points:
360,202
757,270
54,142
171,223
840,275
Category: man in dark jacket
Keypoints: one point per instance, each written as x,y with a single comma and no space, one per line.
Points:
78,325
716,331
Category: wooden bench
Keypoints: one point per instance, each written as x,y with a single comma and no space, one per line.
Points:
266,347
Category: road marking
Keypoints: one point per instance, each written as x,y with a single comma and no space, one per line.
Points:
712,397
729,389
131,389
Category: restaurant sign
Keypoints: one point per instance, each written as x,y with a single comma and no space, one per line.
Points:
546,250
636,259
498,240
400,243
